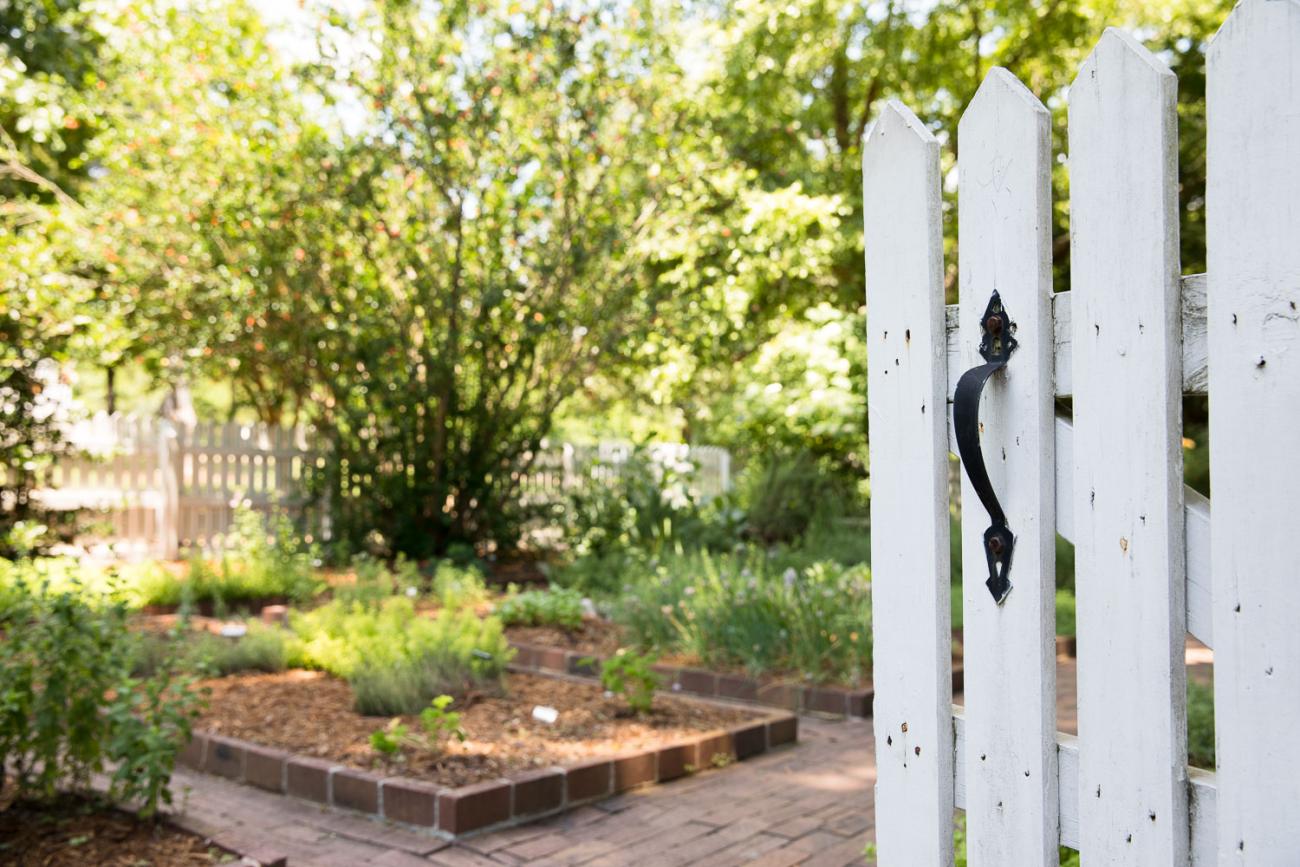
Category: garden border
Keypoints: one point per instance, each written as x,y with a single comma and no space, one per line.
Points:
769,692
489,805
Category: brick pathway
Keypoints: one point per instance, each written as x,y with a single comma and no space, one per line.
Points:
811,804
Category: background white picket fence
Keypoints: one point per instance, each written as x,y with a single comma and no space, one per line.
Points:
155,487
1153,563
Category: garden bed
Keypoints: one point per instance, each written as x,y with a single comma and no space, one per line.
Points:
296,733
73,832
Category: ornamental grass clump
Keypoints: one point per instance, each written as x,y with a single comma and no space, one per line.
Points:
396,660
745,609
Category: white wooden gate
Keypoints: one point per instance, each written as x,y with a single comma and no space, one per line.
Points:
1129,338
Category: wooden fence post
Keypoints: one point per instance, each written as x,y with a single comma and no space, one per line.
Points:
1253,226
1004,217
906,401
169,490
1128,468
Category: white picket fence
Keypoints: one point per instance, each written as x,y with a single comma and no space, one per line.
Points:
1152,562
156,487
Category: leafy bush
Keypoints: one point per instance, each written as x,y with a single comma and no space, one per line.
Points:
786,494
396,660
458,586
632,676
262,648
552,607
646,504
375,582
1200,725
263,559
744,609
1064,612
69,705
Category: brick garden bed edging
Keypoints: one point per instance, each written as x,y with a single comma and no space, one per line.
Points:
795,697
451,813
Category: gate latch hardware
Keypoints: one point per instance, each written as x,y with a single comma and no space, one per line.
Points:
996,347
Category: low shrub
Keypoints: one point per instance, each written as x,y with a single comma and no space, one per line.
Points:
70,706
262,648
458,585
375,582
743,609
787,494
395,659
552,607
630,675
263,559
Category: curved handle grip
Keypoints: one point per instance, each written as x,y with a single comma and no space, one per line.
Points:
996,347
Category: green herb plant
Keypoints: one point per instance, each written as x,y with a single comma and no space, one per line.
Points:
551,607
438,724
630,675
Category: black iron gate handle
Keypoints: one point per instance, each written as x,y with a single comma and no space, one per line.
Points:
996,347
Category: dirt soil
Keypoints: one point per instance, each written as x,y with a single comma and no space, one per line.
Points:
597,637
310,713
74,832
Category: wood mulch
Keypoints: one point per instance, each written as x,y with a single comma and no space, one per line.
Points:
597,637
75,832
310,713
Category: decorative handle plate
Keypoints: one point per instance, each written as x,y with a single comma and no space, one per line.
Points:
996,347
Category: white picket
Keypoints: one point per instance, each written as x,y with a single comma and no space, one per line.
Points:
1004,222
1128,487
1253,233
909,479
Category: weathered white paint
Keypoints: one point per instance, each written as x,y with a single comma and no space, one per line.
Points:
1195,348
909,504
1196,517
1253,233
1128,468
1200,790
1004,221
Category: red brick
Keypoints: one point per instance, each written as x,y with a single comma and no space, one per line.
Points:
538,792
698,682
785,695
715,750
749,740
958,679
356,790
308,778
224,757
782,731
525,655
860,701
677,761
589,780
667,673
472,807
552,659
583,665
634,770
409,801
825,700
191,755
264,767
276,614
733,686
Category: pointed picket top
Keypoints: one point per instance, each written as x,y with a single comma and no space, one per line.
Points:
1118,52
894,134
1275,22
1004,95
895,116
